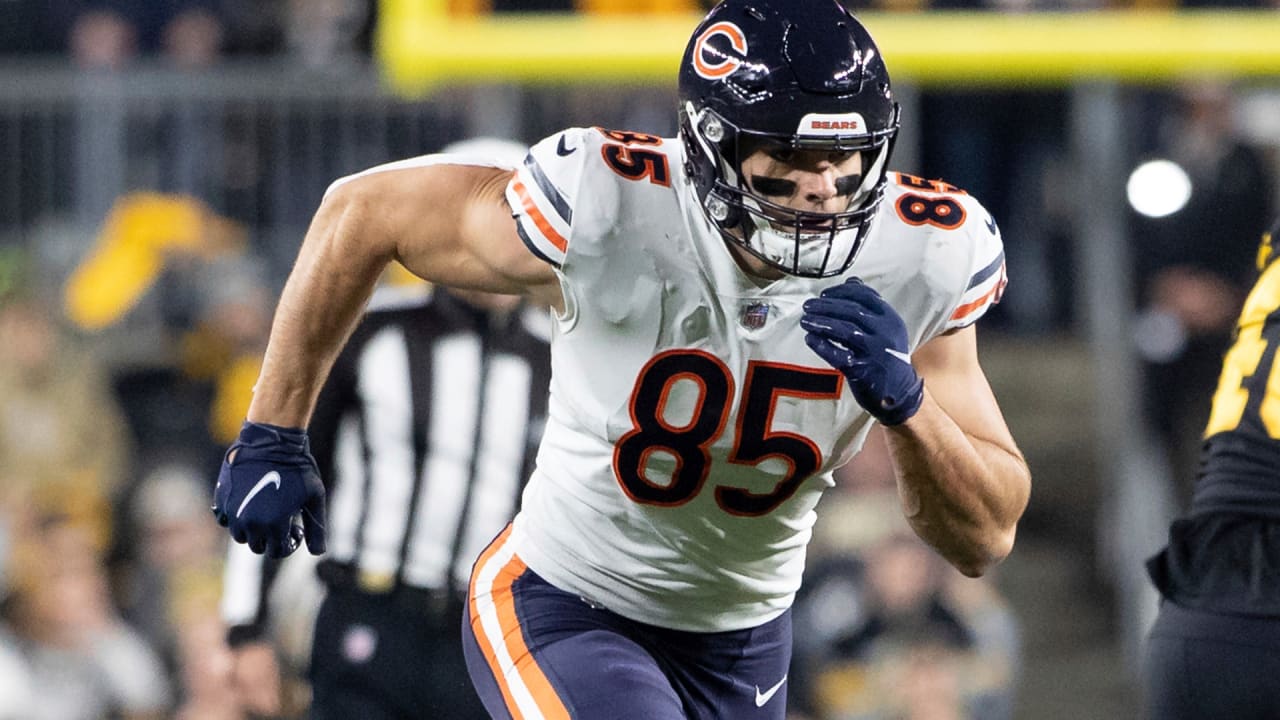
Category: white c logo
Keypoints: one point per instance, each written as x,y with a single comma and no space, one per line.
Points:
724,63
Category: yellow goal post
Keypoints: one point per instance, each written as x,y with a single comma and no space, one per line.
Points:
420,46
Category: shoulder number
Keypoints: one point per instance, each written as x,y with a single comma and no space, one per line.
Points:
689,444
635,163
936,208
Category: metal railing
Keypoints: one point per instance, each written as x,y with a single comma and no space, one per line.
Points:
257,143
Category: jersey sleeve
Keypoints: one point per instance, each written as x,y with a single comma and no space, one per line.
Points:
987,277
544,190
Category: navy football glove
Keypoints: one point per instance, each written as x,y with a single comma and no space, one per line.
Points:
270,495
854,329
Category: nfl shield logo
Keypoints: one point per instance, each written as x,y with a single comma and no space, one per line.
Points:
754,315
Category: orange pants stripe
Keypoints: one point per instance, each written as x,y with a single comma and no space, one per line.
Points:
525,688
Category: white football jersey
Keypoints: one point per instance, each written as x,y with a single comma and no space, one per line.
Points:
691,431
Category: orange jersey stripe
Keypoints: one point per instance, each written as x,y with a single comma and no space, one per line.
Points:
545,699
967,309
538,218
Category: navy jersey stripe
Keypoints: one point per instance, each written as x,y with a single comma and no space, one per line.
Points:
552,193
986,272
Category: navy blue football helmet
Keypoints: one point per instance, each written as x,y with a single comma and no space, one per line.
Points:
802,73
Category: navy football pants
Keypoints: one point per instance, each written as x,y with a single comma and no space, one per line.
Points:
1208,666
534,652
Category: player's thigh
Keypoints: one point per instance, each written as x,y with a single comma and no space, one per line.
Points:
739,674
534,651
1204,666
557,666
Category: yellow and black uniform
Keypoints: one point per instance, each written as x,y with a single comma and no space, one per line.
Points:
1214,651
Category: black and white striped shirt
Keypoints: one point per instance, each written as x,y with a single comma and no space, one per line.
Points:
425,434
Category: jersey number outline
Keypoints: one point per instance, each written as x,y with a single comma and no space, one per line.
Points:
689,444
941,212
635,163
1244,360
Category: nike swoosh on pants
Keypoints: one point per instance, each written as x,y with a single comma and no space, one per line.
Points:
764,697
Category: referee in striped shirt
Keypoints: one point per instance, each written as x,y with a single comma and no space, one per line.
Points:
425,431
425,434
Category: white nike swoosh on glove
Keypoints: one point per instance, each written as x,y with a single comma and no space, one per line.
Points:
271,478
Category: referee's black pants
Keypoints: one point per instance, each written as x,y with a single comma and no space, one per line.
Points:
393,656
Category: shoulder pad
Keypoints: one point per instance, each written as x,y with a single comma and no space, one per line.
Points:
971,231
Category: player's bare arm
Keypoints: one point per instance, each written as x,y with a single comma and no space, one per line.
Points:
449,224
962,480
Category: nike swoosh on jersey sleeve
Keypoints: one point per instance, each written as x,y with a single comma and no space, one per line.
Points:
541,195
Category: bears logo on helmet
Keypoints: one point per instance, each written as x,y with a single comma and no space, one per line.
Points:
724,63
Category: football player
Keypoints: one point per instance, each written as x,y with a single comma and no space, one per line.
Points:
1214,650
734,308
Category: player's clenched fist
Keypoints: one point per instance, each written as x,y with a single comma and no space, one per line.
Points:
269,493
854,329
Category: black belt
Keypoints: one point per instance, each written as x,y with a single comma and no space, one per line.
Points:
346,578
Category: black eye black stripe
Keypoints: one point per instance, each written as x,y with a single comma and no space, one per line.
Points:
774,187
848,184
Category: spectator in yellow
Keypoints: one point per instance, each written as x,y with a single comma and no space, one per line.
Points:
62,439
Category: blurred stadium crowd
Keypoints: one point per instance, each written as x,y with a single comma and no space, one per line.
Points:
129,340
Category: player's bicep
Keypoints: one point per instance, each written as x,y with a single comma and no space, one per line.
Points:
492,232
955,379
450,224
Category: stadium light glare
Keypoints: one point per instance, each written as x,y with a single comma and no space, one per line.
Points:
1158,188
